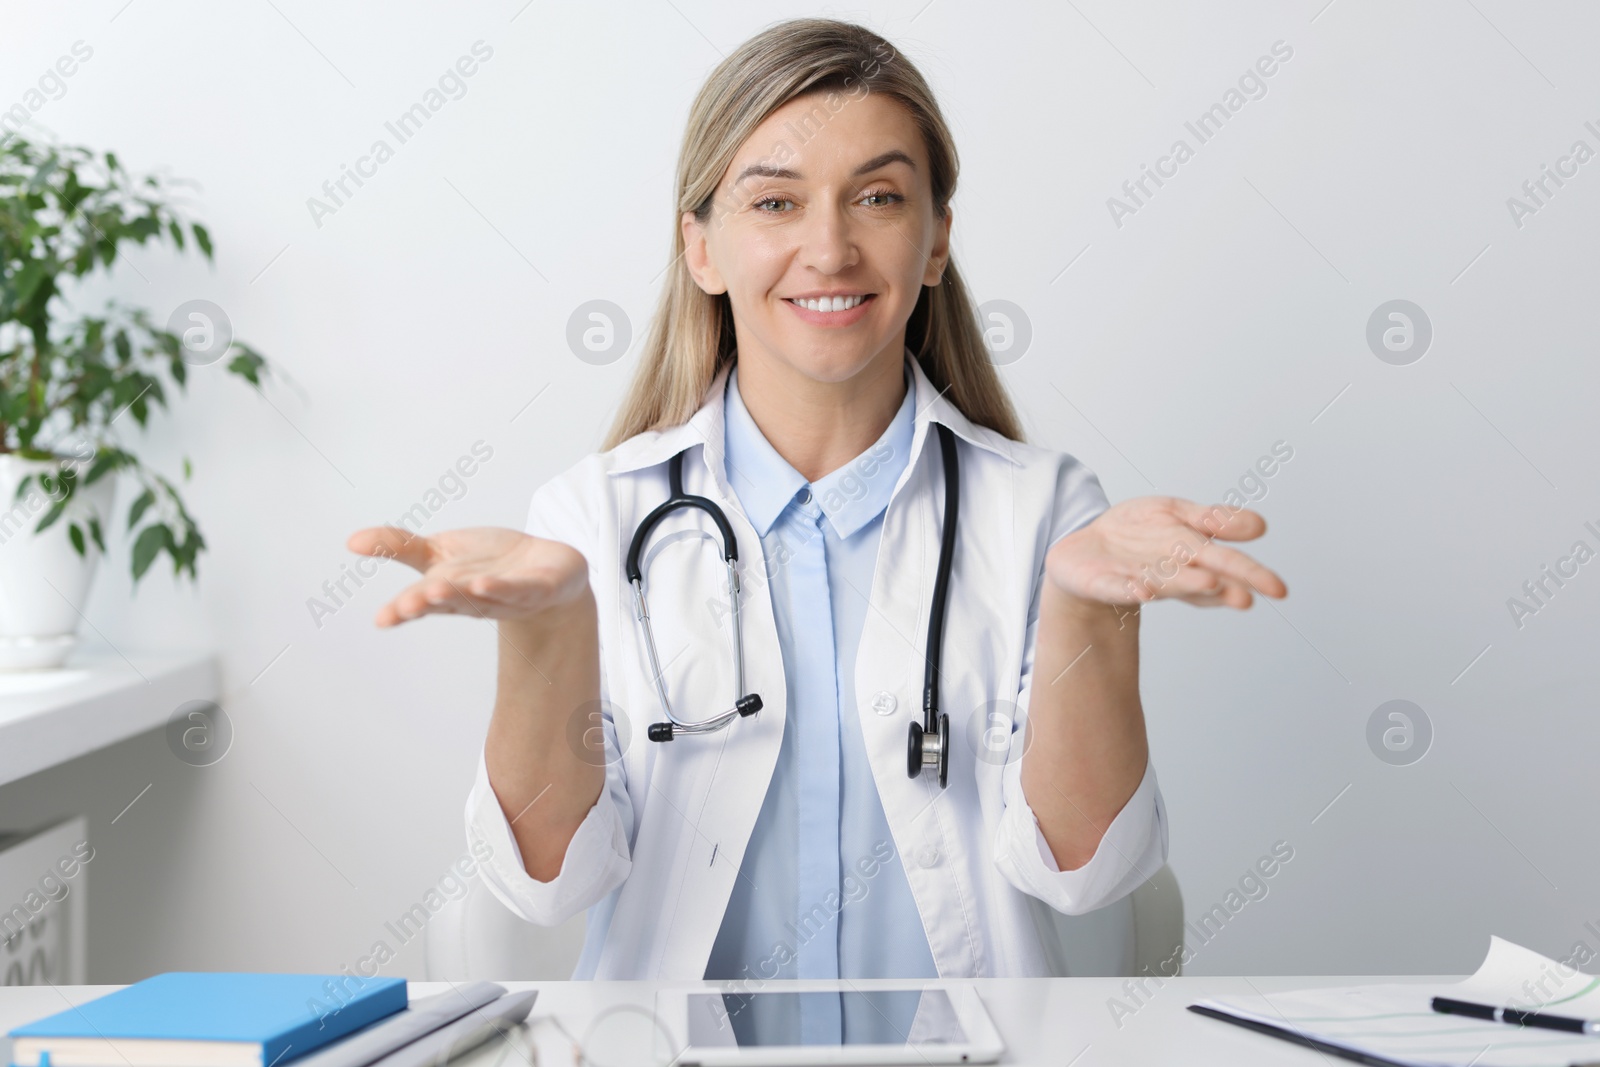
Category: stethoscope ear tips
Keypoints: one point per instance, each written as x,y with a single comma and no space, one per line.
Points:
746,706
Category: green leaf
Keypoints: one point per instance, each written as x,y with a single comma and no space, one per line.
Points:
152,539
28,279
51,516
41,177
62,215
105,461
140,506
247,365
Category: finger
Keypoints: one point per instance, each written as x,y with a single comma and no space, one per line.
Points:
445,594
1219,601
1121,585
1190,580
489,593
483,585
1221,520
1233,564
1202,600
466,593
1232,594
429,596
393,542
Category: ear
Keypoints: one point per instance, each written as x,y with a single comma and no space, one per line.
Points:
939,258
696,256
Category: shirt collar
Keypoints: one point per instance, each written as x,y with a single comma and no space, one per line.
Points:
851,497
706,427
763,479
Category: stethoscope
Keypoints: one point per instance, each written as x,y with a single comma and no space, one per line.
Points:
928,741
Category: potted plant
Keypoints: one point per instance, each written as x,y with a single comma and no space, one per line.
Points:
69,382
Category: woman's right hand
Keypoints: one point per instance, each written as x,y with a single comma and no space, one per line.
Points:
487,571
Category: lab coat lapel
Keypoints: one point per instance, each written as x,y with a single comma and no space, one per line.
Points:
890,671
705,790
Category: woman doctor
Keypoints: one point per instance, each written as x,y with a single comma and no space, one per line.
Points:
813,338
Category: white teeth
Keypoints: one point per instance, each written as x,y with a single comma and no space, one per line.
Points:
831,303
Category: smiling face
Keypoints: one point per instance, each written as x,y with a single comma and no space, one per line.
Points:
842,220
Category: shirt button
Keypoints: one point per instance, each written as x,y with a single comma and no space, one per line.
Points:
805,495
928,855
883,702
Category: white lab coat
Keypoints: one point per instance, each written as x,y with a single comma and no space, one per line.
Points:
660,849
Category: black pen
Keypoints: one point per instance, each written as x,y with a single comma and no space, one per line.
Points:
1515,1017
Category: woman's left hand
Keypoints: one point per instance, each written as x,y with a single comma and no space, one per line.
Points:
1162,546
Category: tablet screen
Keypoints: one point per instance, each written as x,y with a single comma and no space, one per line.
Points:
865,1017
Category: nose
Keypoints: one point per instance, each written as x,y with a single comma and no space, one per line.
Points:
828,242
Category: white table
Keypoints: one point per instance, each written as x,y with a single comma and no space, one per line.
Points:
1060,1022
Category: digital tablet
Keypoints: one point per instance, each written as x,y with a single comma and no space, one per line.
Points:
776,1027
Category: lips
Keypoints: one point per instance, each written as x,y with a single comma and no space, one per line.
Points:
846,317
859,298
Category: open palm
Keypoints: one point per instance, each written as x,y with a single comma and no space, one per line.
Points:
486,571
1161,546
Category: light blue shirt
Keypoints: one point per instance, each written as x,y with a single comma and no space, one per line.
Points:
821,892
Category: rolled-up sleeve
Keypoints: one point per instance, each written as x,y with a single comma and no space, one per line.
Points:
1134,846
596,861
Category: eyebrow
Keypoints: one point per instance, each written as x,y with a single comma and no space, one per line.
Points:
763,170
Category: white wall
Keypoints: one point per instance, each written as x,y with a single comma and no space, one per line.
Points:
1225,315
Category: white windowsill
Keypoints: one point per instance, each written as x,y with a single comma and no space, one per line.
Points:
95,699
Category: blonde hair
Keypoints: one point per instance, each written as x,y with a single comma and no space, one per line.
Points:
691,337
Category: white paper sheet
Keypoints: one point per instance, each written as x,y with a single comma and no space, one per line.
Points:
1397,1022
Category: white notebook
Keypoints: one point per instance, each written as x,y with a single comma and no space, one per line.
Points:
1395,1023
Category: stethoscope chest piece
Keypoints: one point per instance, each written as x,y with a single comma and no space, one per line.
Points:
925,749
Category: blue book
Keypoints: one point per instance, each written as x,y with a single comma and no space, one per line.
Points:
190,1019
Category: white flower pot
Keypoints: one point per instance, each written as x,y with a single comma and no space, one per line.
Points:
44,583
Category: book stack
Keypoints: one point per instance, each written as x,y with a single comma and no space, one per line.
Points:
197,1019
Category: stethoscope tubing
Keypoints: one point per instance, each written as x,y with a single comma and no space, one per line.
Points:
678,499
928,741
941,581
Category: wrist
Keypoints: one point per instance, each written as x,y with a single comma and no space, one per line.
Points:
1078,611
556,620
